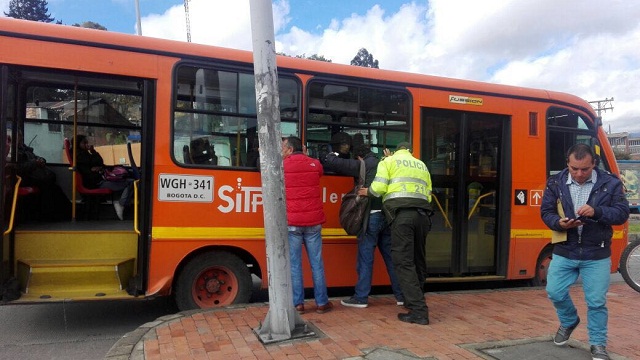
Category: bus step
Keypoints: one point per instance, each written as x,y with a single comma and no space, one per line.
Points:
57,277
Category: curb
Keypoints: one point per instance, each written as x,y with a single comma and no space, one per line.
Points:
131,345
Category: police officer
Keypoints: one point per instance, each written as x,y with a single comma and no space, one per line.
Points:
404,183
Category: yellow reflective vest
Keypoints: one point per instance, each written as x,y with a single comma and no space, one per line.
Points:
402,176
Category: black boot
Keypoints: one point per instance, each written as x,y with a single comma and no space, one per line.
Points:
414,318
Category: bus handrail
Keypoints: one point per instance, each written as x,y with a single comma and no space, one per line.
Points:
135,207
446,219
13,206
475,205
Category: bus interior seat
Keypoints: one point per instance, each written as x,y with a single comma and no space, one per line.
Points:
93,197
186,155
30,199
132,162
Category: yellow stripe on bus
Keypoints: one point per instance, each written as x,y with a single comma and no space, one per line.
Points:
258,233
539,234
225,233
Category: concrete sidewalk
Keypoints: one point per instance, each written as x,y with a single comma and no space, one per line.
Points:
484,324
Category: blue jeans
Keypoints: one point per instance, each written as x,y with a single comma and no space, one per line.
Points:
595,275
378,233
125,188
312,239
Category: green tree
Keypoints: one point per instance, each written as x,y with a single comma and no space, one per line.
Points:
314,57
90,25
364,59
311,57
34,10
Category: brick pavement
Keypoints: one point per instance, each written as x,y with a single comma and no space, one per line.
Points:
456,318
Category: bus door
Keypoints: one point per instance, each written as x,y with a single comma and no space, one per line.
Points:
50,107
7,116
464,154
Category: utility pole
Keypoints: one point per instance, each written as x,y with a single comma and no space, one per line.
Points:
139,25
186,15
602,105
282,321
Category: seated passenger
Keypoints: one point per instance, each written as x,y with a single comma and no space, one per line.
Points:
90,165
202,152
54,204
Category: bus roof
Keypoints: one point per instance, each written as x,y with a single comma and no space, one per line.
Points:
127,42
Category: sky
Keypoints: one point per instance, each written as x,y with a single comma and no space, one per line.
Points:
589,48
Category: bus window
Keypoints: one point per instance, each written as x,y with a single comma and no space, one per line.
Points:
378,117
215,118
108,118
566,128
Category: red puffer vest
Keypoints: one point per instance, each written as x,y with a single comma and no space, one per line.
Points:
304,195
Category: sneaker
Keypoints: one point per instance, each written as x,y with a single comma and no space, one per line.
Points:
119,209
599,352
563,334
353,302
400,303
300,308
413,318
324,308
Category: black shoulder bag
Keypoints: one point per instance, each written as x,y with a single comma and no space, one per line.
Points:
353,207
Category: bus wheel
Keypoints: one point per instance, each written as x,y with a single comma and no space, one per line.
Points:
213,279
542,267
630,265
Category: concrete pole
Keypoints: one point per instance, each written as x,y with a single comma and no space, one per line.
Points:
282,320
138,24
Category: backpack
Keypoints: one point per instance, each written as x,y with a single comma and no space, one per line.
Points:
354,207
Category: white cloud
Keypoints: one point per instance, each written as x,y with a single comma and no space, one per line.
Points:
584,47
4,6
220,23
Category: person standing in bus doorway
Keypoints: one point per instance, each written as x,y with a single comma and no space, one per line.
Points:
375,230
91,167
583,202
305,216
404,183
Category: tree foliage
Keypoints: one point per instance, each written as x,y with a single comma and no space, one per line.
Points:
310,57
90,25
365,59
314,57
34,10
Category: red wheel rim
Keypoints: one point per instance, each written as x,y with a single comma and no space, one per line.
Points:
542,269
215,286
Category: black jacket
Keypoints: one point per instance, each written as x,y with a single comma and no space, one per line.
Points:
611,208
351,167
85,160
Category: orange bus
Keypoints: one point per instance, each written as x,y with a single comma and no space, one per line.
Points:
183,117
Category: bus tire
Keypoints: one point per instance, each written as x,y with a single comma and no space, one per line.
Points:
542,267
213,279
630,265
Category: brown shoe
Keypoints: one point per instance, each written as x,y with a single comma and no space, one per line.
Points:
300,308
324,308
